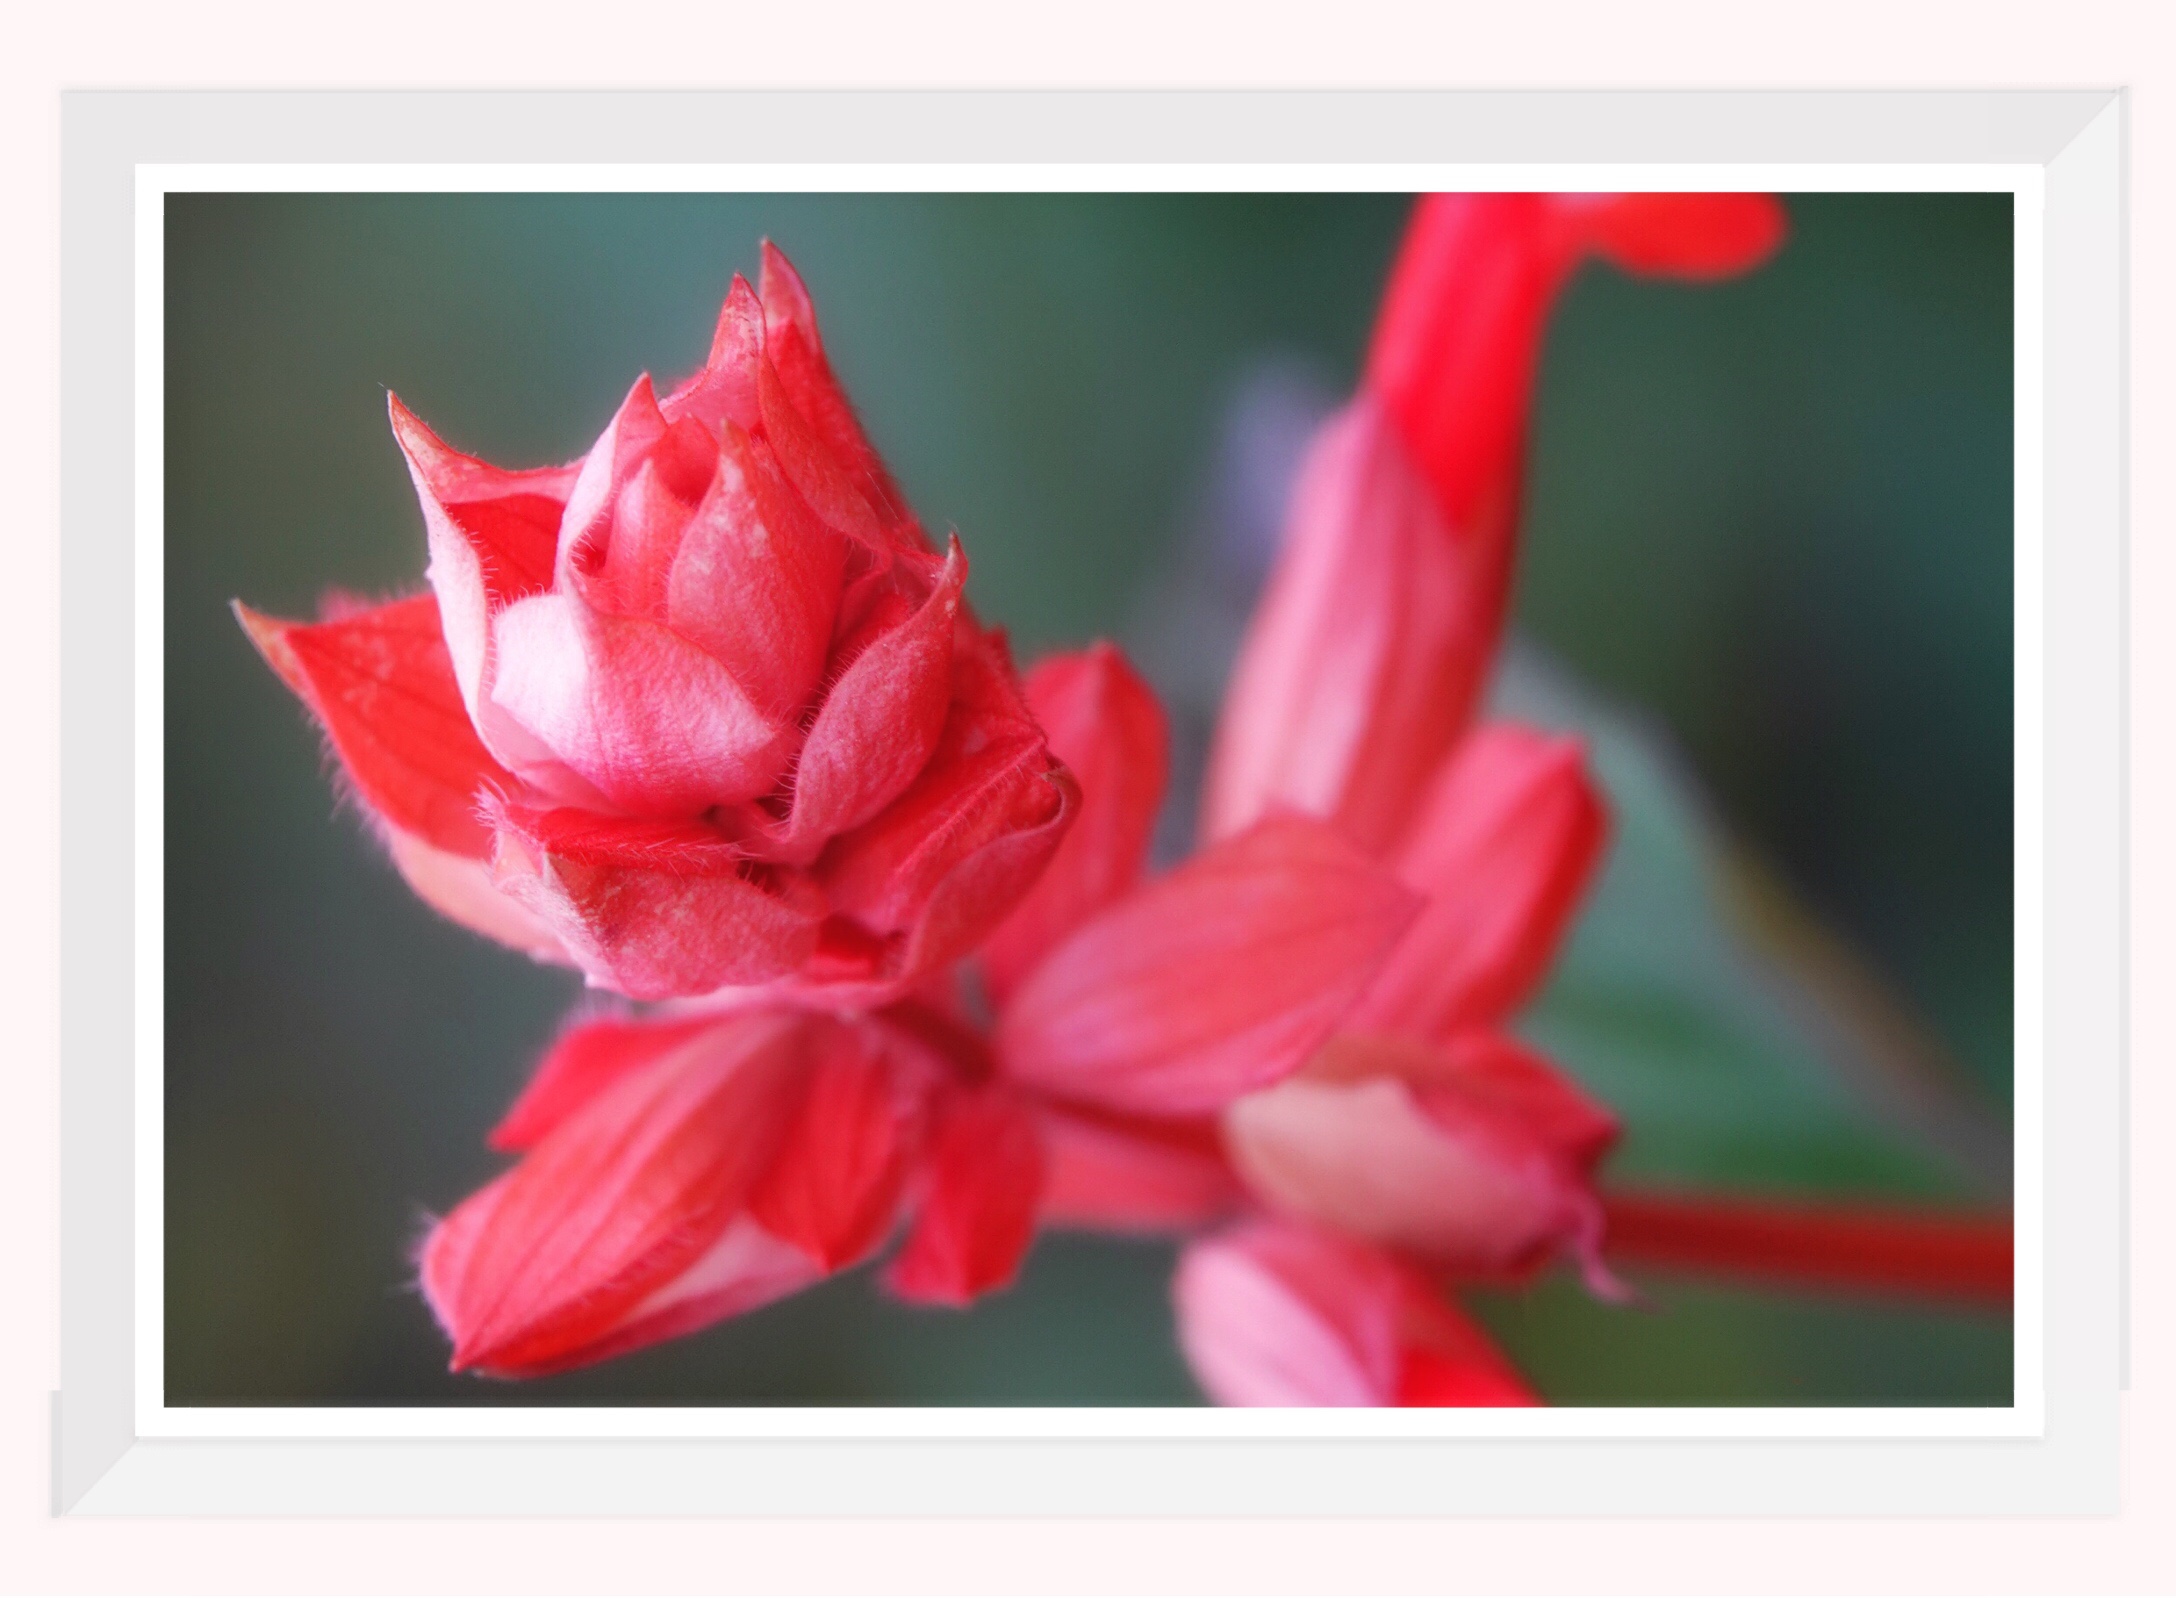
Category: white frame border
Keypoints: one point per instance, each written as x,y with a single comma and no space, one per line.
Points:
160,1439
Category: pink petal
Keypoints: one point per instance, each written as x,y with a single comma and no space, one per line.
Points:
1271,1314
1277,1314
756,580
1506,843
492,537
552,1262
625,565
461,889
1219,979
1477,1161
725,390
656,910
1106,725
1133,1175
835,1186
880,722
588,1058
985,1177
382,684
659,727
1369,650
585,530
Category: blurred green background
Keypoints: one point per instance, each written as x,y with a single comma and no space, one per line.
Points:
1767,567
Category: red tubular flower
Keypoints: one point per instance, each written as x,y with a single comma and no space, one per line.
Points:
703,710
1374,640
1422,1129
1274,1314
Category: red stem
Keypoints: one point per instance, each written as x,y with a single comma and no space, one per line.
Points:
1949,1256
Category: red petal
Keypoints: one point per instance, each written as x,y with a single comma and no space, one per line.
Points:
1106,725
930,875
493,538
1697,236
1216,980
656,910
725,390
797,353
1459,334
1505,845
382,685
1447,1359
588,1058
756,580
834,1188
1457,340
1364,661
547,1264
1134,1175
880,722
978,1215
1273,1314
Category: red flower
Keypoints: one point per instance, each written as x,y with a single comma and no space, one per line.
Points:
702,710
1422,1128
679,1170
1373,642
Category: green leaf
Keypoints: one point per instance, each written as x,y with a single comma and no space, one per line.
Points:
1742,1045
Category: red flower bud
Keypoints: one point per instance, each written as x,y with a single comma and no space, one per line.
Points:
725,718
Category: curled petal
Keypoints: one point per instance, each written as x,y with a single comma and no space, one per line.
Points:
985,1179
655,910
492,537
1504,847
1132,1175
1218,979
1367,654
1106,725
1477,1160
381,683
552,1264
658,726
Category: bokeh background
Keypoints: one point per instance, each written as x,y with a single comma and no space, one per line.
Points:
1766,567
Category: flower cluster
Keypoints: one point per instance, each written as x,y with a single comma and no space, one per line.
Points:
707,716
